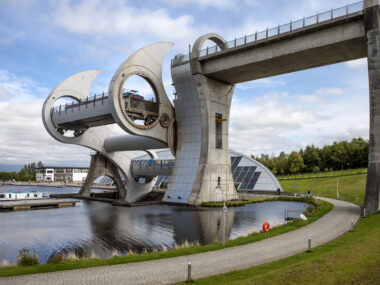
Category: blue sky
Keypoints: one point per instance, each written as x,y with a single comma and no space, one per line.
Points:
44,42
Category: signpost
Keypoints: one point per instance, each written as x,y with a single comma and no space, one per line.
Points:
337,188
224,221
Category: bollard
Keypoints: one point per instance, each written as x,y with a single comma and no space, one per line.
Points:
357,199
364,212
352,225
309,244
265,234
189,270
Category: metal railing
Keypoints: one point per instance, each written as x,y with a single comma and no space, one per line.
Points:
281,29
152,163
85,102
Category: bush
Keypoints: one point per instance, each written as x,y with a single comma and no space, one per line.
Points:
27,257
56,258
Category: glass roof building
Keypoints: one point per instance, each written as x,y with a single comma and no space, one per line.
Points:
248,173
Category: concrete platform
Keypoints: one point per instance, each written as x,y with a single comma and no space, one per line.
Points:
38,203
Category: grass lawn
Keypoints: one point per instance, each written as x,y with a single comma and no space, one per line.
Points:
350,187
323,174
351,259
229,204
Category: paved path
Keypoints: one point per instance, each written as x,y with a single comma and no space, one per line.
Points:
172,270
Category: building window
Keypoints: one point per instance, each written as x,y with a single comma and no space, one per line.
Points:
219,131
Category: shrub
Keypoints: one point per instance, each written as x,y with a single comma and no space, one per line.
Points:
27,257
5,263
57,258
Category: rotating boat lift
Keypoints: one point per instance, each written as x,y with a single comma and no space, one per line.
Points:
186,137
196,128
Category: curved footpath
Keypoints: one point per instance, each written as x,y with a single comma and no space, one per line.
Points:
172,270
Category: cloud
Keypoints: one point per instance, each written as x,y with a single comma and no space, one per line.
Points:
24,138
264,82
260,125
8,37
358,63
4,92
219,4
108,19
322,95
276,122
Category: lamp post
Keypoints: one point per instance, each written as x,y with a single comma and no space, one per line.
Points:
337,188
224,221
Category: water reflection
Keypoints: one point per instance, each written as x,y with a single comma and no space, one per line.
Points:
102,228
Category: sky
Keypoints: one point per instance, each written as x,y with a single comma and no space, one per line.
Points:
44,42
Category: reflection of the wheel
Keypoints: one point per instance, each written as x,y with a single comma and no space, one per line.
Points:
152,228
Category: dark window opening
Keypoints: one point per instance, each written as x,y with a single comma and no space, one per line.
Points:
219,131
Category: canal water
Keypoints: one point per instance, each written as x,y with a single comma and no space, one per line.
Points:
103,229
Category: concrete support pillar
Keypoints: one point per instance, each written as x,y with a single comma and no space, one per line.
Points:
202,170
372,28
101,166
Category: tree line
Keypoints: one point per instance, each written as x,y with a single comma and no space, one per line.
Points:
339,155
28,172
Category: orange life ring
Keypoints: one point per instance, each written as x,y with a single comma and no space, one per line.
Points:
266,227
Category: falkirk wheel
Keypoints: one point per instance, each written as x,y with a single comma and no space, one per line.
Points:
195,129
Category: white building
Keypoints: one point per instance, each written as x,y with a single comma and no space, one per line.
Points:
61,174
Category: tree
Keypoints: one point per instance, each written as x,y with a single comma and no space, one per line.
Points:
28,172
311,158
339,155
296,163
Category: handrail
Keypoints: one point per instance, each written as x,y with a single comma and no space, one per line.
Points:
280,29
152,163
75,103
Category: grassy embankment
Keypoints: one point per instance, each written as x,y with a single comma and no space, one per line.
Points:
351,259
350,187
321,209
333,173
259,200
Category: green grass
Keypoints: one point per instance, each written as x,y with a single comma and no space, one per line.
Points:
350,187
323,174
233,203
321,209
351,259
239,203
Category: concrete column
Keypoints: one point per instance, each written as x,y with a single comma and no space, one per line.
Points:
371,23
101,166
202,170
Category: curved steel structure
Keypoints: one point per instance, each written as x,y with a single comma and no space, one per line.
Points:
196,131
145,62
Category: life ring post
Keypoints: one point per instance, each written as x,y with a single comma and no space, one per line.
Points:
266,228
